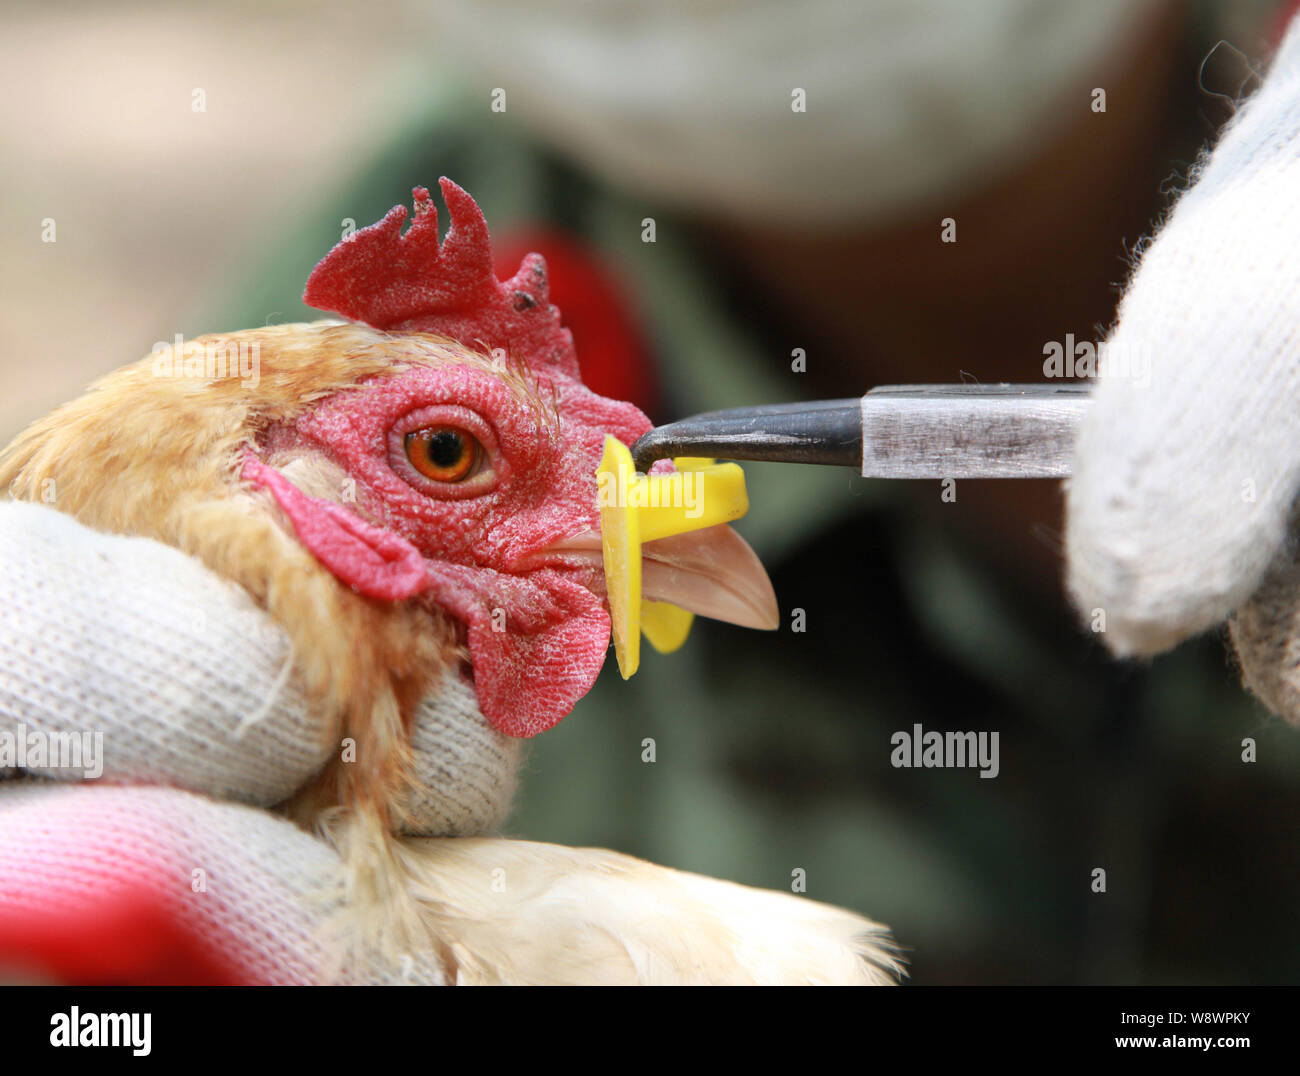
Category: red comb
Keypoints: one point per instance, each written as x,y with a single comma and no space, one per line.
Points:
391,281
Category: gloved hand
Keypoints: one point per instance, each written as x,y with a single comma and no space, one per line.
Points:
1180,508
131,644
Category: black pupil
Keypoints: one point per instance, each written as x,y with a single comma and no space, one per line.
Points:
446,448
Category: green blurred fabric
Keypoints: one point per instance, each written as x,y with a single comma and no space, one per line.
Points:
773,749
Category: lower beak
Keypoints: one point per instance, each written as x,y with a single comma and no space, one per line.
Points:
710,572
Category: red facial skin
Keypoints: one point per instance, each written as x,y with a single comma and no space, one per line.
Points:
470,548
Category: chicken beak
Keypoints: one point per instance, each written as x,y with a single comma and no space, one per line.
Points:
711,572
668,554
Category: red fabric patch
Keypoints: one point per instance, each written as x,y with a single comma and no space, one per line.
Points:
129,940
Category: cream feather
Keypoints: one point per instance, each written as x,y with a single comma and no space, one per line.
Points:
512,912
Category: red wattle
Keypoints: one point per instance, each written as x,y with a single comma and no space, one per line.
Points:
377,563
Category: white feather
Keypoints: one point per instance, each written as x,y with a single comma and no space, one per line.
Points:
520,912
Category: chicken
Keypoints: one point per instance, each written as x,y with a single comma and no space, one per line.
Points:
410,490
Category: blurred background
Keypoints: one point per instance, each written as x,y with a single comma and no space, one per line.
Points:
197,162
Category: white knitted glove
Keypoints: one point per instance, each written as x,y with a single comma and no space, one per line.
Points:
166,674
1184,482
252,889
190,683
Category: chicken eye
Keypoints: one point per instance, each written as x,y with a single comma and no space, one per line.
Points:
443,453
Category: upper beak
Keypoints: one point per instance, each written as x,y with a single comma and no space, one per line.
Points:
711,572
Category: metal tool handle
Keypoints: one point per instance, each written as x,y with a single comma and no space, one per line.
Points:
971,431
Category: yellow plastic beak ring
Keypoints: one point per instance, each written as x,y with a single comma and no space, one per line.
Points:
637,508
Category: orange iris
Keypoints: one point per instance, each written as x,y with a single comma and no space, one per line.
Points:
442,453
